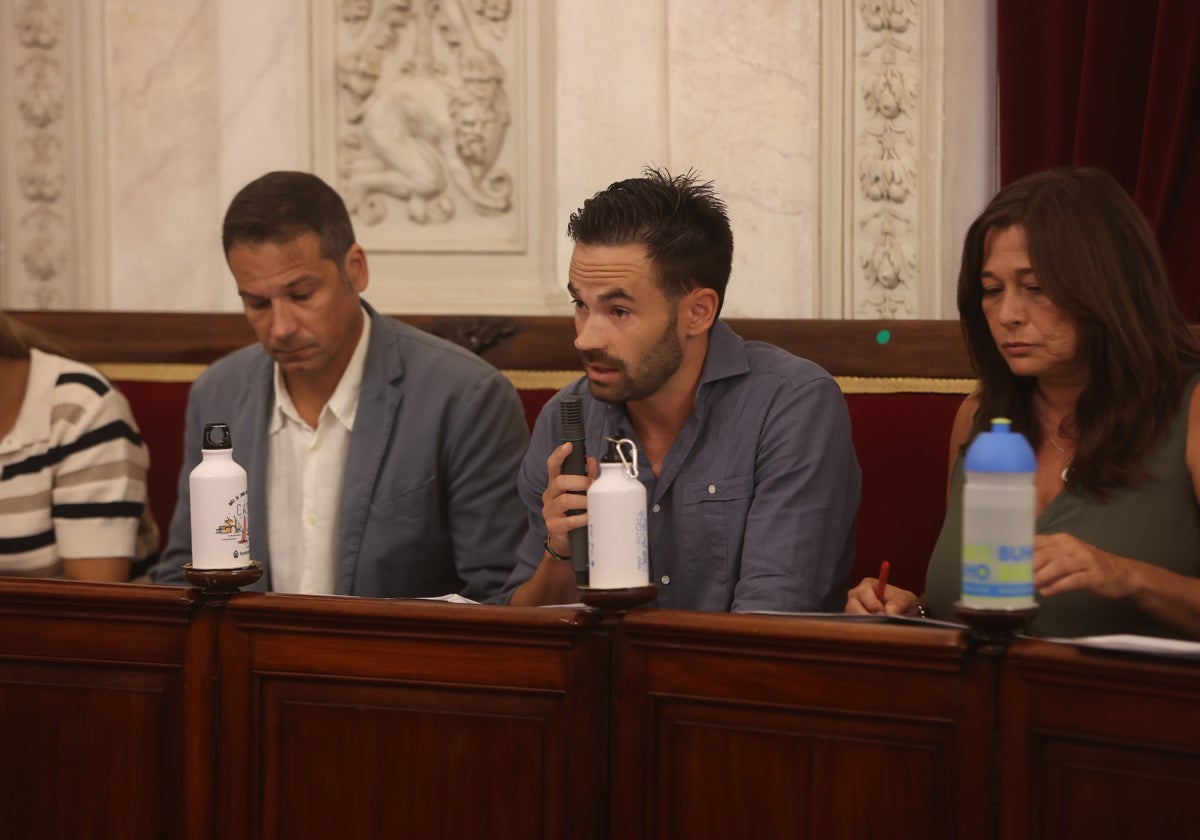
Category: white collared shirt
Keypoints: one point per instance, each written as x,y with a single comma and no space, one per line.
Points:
304,481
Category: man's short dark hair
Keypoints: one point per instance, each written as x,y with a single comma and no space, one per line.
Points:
280,206
680,220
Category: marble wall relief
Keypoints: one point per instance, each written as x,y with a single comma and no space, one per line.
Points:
35,227
887,146
886,111
427,154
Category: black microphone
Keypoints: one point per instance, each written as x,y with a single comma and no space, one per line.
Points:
571,425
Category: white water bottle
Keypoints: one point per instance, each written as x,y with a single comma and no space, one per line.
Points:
998,520
618,557
220,509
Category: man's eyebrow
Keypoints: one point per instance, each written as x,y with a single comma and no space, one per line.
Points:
604,297
304,278
289,286
616,294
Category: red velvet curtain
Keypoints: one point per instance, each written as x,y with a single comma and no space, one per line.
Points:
1113,84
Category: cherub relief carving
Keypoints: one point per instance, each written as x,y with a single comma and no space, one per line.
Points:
426,109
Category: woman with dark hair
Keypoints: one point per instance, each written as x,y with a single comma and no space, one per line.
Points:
72,467
1070,324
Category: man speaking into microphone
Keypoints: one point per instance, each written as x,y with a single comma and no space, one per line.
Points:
744,449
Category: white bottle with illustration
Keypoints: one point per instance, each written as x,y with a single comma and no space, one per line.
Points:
618,557
998,520
220,508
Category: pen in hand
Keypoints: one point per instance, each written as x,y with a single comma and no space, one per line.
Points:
881,587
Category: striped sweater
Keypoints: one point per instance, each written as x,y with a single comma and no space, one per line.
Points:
72,473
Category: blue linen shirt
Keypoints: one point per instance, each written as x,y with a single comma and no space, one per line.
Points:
756,502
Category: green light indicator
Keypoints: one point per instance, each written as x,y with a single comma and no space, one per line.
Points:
883,337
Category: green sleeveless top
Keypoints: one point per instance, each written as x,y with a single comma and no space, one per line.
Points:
1157,521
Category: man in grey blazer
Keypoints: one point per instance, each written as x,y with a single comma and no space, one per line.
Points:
380,460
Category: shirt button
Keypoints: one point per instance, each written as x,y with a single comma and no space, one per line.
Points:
656,508
312,519
712,488
666,579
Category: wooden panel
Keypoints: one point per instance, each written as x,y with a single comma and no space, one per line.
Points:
772,726
1098,745
845,348
366,760
95,699
373,718
773,774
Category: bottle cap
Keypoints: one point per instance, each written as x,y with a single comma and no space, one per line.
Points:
216,436
616,455
1000,451
612,455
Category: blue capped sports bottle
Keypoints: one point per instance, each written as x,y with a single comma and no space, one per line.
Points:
998,520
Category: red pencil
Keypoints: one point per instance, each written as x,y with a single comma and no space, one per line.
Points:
883,573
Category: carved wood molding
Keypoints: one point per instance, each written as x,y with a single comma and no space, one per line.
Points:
872,348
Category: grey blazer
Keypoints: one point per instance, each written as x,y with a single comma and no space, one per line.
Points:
429,498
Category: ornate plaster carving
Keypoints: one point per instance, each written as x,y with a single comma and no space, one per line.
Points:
41,238
423,114
885,231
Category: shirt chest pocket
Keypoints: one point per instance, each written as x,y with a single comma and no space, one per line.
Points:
714,524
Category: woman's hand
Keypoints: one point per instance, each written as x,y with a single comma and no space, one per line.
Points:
1062,563
864,598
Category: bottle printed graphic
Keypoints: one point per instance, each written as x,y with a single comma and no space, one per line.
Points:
220,508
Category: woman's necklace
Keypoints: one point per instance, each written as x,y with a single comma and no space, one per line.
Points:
1044,416
1068,458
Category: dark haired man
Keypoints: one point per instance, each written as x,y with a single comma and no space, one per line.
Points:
381,460
745,450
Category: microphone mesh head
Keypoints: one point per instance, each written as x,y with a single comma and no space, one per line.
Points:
571,414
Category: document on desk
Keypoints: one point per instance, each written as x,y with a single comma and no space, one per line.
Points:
865,618
1144,645
452,598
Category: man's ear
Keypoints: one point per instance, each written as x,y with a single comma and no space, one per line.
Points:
356,268
699,310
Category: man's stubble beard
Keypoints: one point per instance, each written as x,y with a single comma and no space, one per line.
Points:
651,372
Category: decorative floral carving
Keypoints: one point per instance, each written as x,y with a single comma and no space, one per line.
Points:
890,174
887,166
475,334
39,24
40,97
356,11
890,92
493,10
890,267
45,255
893,15
42,175
424,117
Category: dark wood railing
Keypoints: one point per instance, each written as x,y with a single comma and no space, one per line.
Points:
141,712
844,348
